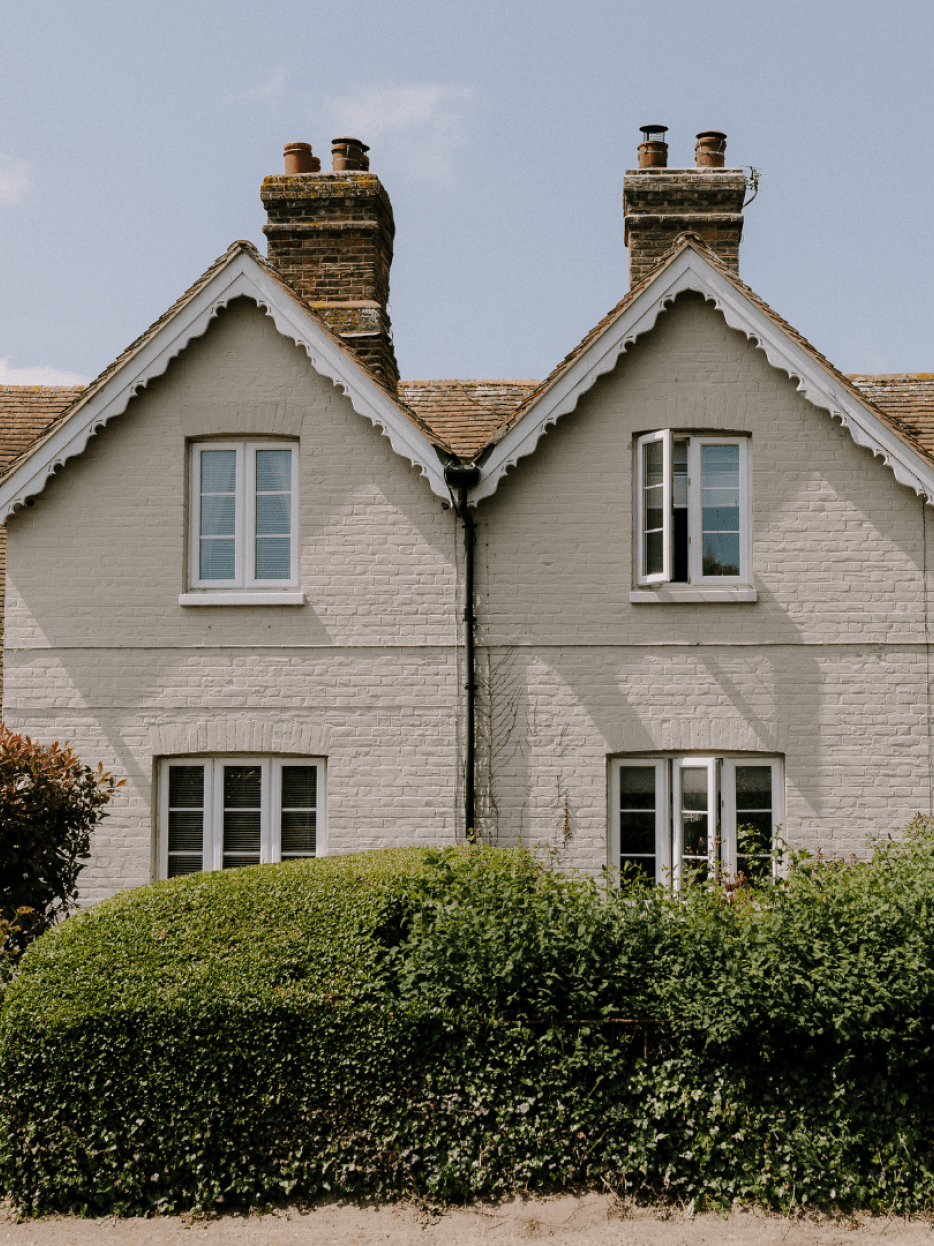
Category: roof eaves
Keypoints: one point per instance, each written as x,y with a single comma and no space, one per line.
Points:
149,355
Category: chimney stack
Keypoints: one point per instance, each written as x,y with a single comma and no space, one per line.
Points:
660,203
330,235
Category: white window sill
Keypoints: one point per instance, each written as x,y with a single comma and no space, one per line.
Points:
243,597
688,594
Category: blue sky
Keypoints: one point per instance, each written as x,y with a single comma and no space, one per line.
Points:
133,140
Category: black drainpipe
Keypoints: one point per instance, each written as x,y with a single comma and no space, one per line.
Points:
460,479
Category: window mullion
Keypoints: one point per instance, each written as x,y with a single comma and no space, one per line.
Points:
695,543
272,801
729,851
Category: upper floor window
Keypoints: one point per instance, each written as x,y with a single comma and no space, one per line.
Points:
244,513
220,812
693,510
678,816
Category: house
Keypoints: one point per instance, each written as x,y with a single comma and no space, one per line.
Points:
659,608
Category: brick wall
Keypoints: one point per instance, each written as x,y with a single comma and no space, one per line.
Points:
660,204
331,237
99,651
828,667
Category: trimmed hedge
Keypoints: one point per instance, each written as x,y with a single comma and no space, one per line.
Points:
472,1022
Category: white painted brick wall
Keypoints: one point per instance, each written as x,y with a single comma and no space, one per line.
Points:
99,651
828,668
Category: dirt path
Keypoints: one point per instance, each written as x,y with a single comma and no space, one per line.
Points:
584,1220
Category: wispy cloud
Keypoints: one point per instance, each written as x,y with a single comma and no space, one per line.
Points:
14,180
38,376
424,125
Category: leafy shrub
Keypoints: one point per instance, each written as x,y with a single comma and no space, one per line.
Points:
49,805
472,1022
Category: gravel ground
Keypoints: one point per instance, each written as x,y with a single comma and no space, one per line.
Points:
575,1220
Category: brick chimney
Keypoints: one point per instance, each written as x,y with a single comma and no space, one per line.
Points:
660,203
330,236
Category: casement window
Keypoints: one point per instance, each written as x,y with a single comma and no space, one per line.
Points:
220,812
672,817
693,515
243,502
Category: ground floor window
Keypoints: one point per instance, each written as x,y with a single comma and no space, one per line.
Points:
675,816
220,812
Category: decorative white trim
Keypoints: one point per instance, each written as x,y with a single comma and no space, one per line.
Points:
239,277
716,596
691,271
242,597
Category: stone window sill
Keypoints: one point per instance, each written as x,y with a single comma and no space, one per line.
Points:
674,594
243,597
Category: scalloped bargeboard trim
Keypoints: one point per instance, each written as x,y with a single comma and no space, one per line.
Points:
240,277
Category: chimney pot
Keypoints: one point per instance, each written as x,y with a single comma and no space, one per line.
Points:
653,150
349,155
710,150
298,159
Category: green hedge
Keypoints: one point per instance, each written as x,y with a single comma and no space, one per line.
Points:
472,1022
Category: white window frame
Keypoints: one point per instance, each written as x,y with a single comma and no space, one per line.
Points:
698,586
663,576
662,816
212,851
728,817
722,849
245,518
679,765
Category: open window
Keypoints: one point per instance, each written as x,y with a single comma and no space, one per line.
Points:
243,504
221,812
672,818
693,510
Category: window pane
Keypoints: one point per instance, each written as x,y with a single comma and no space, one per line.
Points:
273,558
273,471
721,553
186,787
218,558
637,833
238,859
753,787
694,787
186,820
273,513
695,834
653,498
638,867
720,509
218,514
242,787
299,787
184,865
637,787
299,829
218,471
186,831
241,830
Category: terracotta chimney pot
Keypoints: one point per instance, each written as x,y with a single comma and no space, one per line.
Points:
710,150
349,155
653,150
298,159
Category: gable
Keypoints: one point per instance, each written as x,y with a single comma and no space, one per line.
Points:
692,267
238,274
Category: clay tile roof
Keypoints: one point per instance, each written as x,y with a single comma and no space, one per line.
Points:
907,398
465,414
26,411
